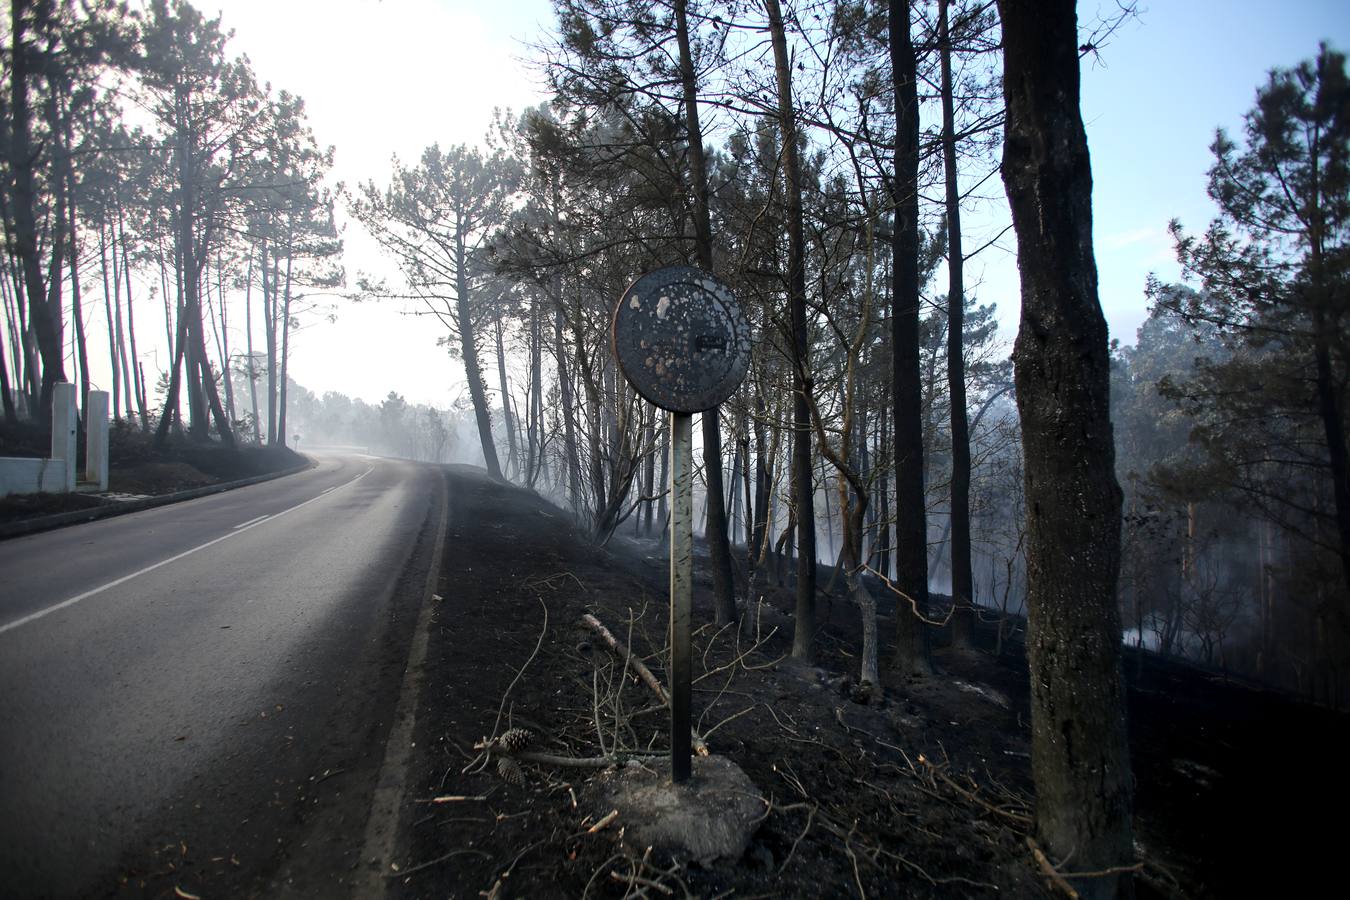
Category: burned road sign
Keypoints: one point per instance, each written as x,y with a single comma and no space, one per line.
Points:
680,339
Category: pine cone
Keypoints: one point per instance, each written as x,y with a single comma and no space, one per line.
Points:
515,740
510,770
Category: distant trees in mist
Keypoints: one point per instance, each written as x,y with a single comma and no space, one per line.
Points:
393,427
1234,401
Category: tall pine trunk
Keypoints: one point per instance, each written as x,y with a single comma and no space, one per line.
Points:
512,445
44,315
1080,758
61,125
572,462
114,325
248,342
469,349
142,405
803,637
536,423
285,343
911,526
963,588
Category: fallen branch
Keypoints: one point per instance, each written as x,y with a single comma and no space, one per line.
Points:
1050,871
1020,819
636,880
644,673
505,748
618,647
452,798
600,825
913,604
397,873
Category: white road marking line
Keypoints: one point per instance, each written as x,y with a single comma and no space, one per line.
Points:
260,518
238,530
325,490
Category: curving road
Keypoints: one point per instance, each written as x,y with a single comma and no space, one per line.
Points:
197,696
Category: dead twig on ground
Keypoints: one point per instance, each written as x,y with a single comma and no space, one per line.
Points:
604,821
913,604
1061,879
403,873
496,890
644,673
1050,872
1020,819
451,798
552,582
810,818
596,874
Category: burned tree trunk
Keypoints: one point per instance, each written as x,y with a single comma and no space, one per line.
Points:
803,481
963,583
911,519
468,346
1080,759
44,314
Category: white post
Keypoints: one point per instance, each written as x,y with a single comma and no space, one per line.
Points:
63,431
96,440
681,591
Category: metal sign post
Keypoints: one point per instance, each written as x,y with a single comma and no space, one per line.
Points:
682,343
681,590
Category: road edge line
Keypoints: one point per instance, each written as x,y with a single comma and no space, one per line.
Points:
381,833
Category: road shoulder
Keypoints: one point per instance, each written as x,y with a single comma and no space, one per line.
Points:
112,508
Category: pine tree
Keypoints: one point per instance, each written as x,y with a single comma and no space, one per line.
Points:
1274,268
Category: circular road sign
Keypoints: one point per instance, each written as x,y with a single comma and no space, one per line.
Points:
680,339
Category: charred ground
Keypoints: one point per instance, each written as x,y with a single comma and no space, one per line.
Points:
926,795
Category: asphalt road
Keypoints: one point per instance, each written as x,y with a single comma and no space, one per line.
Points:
197,696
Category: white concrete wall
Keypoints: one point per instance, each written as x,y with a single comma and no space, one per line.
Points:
63,430
96,440
26,475
21,475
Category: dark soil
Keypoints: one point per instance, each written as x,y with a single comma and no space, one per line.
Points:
137,467
28,506
926,795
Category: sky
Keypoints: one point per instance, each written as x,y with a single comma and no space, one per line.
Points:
386,77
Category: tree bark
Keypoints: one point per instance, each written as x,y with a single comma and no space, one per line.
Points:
11,414
911,526
763,484
648,476
136,371
116,364
963,593
469,350
46,320
536,424
224,338
572,463
883,495
1080,758
803,637
63,130
285,342
512,446
248,345
270,334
